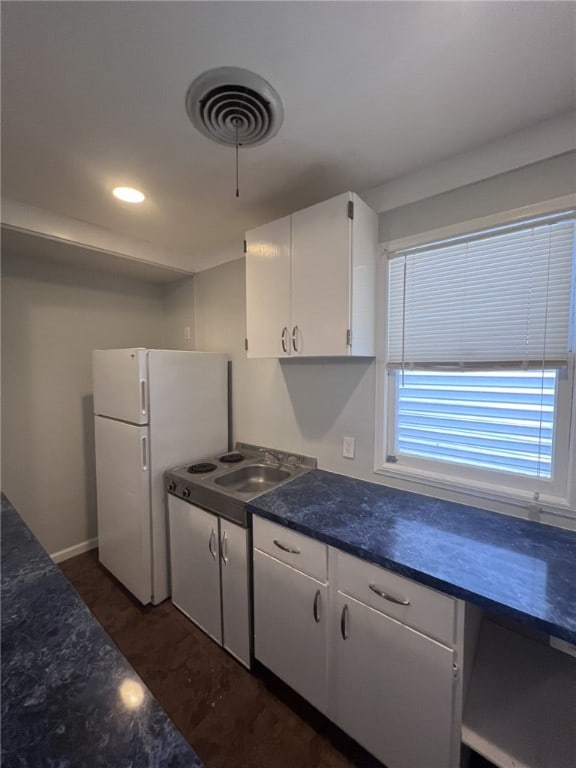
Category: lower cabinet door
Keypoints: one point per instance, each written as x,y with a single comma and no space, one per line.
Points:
394,688
235,590
290,612
195,566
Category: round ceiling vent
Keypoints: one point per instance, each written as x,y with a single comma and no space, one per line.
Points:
234,106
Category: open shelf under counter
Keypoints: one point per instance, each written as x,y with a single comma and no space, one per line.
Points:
520,710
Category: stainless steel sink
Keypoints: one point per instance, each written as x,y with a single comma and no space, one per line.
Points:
225,490
255,478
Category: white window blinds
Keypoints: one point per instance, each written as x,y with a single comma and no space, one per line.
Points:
500,296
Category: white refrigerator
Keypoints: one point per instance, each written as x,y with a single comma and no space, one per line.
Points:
154,409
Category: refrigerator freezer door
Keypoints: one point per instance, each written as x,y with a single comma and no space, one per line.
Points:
121,384
123,490
188,421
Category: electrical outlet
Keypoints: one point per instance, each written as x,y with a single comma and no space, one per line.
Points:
348,447
187,333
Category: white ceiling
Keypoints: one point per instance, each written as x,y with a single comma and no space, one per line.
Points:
93,97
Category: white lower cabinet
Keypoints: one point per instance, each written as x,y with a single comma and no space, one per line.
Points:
195,565
290,626
394,688
209,570
237,628
383,658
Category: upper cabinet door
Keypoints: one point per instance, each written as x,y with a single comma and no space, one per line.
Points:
268,289
310,282
321,278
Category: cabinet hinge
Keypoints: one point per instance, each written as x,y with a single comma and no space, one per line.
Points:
246,344
348,338
456,671
350,209
245,247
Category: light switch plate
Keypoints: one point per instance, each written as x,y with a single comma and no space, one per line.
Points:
348,447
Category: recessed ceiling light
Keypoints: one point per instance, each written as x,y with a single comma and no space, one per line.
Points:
128,194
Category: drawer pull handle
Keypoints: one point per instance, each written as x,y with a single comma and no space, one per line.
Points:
344,623
286,548
386,596
317,607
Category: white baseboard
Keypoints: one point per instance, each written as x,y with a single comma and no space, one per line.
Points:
77,549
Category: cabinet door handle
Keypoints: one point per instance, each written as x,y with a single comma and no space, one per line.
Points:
295,338
386,596
286,548
344,623
285,339
317,607
212,543
224,548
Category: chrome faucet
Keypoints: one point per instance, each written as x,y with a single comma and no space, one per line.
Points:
272,454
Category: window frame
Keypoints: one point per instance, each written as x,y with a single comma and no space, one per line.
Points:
531,496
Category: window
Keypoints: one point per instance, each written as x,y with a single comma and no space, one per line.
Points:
494,420
480,361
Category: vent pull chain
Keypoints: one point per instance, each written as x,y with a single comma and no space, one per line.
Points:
236,121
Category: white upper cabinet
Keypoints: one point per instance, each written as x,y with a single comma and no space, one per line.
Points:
268,289
310,282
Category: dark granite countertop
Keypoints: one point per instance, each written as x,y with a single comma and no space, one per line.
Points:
69,697
515,567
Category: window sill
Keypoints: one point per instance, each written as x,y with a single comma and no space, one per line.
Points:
551,510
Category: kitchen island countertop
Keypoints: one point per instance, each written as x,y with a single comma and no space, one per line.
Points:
515,567
69,697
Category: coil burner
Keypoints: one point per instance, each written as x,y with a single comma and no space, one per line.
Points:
204,466
232,458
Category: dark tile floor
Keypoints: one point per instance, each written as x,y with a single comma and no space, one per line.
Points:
232,718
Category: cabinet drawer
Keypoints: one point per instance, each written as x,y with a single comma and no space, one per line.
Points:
301,552
417,606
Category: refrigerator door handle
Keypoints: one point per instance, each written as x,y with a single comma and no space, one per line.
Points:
143,397
144,442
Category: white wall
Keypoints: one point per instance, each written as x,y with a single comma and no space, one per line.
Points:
296,405
52,317
531,184
550,138
307,406
179,314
